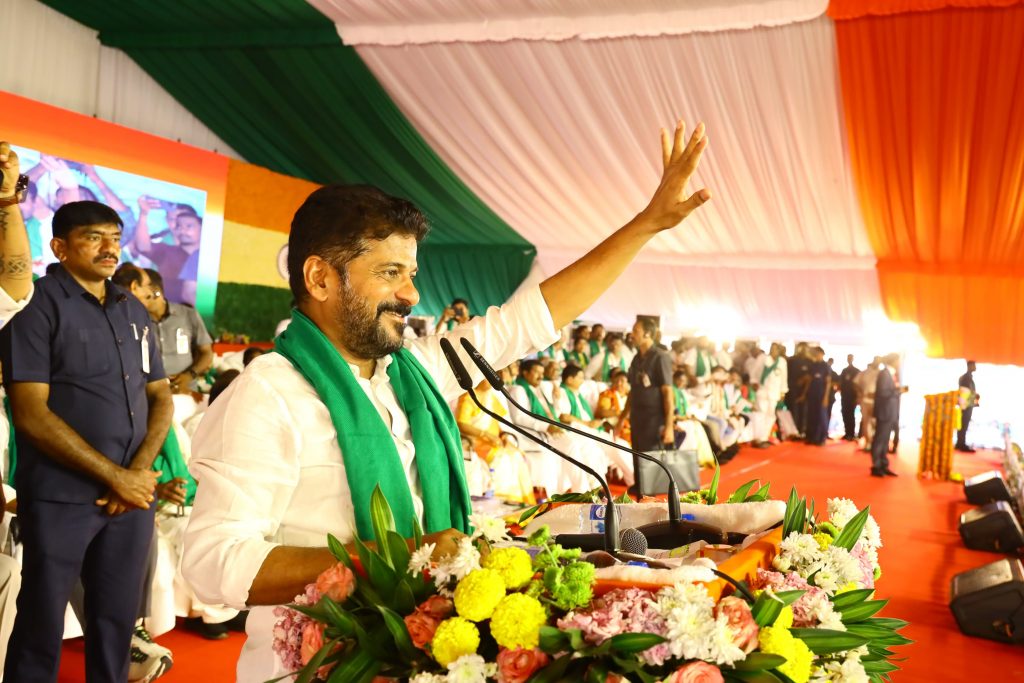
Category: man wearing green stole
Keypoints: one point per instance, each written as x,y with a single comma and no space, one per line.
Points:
294,448
611,358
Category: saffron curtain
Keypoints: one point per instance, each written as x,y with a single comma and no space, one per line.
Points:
934,115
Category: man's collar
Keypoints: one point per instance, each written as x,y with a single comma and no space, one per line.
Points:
73,287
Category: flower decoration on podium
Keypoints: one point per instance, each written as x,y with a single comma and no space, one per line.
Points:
495,610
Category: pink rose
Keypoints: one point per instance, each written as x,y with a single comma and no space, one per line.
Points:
741,621
312,641
437,607
337,583
696,672
421,628
516,666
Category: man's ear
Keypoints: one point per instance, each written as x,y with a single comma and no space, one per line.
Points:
318,275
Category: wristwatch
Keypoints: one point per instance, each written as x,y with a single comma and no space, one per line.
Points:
19,187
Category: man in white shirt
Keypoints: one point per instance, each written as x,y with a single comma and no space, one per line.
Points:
770,379
275,478
15,292
700,359
611,358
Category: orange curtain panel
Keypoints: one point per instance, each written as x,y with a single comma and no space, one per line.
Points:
934,107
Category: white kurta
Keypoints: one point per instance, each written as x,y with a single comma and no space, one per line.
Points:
771,391
271,471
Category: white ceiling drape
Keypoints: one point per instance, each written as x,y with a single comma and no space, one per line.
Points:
560,138
366,22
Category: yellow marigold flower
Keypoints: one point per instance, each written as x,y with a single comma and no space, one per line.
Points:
454,638
776,641
478,594
517,620
798,662
852,586
823,539
514,565
785,618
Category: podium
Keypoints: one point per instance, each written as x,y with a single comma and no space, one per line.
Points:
941,417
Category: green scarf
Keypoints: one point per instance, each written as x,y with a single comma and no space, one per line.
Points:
536,406
12,445
171,464
579,359
367,446
682,405
703,367
606,370
575,401
595,347
769,369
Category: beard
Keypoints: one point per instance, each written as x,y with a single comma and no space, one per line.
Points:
366,334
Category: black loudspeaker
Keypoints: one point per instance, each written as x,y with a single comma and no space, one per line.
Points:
988,602
991,527
986,488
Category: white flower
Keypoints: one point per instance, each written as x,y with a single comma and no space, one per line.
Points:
693,631
426,677
801,549
492,529
822,609
846,567
841,511
420,559
457,566
470,669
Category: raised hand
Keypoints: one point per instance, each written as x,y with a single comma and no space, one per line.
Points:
670,203
11,167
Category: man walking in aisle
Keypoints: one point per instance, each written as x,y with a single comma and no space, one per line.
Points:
887,415
848,395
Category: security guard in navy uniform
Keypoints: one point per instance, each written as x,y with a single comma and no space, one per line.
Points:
91,408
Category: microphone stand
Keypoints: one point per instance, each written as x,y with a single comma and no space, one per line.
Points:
669,533
611,523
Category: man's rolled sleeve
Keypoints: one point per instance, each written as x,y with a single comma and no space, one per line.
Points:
245,458
521,326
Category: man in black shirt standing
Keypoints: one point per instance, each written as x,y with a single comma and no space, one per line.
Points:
848,394
969,401
651,404
91,408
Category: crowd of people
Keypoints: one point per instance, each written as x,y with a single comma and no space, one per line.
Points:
144,471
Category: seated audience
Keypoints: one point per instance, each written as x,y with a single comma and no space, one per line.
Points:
611,358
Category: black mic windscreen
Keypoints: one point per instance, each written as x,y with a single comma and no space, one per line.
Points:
489,374
633,541
461,374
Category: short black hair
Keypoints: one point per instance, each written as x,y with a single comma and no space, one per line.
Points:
78,214
527,365
221,383
571,371
251,354
155,278
126,275
649,325
460,301
336,221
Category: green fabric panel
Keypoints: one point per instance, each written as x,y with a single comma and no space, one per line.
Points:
483,275
157,16
254,310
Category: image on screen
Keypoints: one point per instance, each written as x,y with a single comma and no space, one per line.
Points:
163,222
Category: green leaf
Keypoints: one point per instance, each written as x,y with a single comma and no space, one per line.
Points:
399,632
357,666
822,641
631,643
596,673
399,551
852,597
404,598
861,611
383,522
713,488
337,617
894,624
757,661
309,671
850,534
382,576
576,641
740,494
879,667
789,597
340,553
760,495
795,518
552,672
766,609
417,533
553,641
872,631
528,512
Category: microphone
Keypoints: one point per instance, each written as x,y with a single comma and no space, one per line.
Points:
674,512
631,542
611,523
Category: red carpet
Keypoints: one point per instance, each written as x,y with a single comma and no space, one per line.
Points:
922,553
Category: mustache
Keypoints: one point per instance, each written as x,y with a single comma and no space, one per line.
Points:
104,257
403,310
